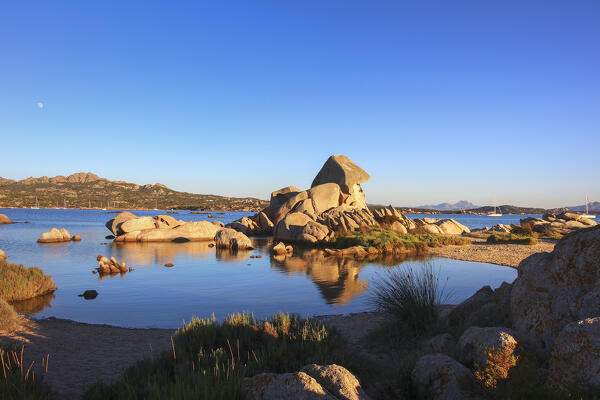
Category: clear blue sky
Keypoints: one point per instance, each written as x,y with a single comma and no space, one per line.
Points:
437,100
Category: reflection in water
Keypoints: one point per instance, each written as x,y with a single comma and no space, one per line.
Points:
35,305
160,252
232,255
336,278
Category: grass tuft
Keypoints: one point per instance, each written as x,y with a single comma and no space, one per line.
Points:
18,380
511,238
412,296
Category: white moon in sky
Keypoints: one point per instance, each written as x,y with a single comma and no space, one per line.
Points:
40,105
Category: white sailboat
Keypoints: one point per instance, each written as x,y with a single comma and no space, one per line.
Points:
37,204
494,214
587,211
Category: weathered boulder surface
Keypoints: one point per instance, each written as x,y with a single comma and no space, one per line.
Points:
557,288
2,255
55,236
290,386
474,341
439,344
298,227
232,239
486,307
138,224
441,226
114,224
341,170
324,196
389,215
321,382
346,218
575,356
4,220
337,380
437,376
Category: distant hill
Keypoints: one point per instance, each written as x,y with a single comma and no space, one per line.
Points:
84,189
461,205
508,209
594,206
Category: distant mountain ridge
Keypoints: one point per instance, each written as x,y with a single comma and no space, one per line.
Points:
85,189
460,205
594,206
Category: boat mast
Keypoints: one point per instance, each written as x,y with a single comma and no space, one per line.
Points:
586,205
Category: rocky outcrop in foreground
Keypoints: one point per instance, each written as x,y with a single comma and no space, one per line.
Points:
55,235
557,288
550,313
328,382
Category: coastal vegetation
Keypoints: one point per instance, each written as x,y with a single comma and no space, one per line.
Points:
388,241
19,283
511,238
209,360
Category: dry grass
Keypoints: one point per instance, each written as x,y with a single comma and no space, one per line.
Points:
8,317
21,283
18,380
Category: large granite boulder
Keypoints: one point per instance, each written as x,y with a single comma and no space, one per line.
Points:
557,288
437,376
325,196
55,236
4,220
299,227
187,231
389,215
138,224
341,170
474,342
486,307
575,356
440,226
232,239
327,382
114,224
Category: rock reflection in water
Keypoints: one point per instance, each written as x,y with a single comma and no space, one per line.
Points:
35,305
229,255
336,278
139,254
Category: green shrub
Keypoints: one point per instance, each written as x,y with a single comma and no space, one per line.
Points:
19,381
20,283
412,296
511,238
209,360
386,240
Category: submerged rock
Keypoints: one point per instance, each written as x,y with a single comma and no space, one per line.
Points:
89,294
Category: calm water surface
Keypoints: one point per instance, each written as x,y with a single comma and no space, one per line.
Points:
204,280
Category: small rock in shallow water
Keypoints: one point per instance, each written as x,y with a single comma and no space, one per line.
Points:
89,294
109,237
169,265
76,238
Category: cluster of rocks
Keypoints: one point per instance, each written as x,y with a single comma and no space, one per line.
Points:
107,266
561,224
281,249
128,227
550,224
5,220
551,312
55,235
334,203
327,382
